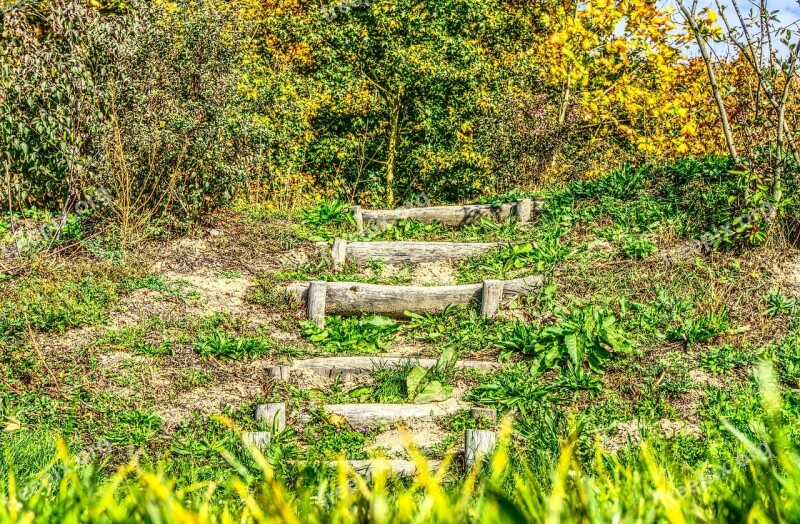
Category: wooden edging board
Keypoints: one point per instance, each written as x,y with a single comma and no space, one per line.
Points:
403,252
450,216
349,298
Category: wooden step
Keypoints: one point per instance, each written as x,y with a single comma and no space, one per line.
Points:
449,216
350,298
403,252
337,366
402,468
364,417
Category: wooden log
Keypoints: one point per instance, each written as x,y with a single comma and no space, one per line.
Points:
348,298
259,439
317,297
332,367
491,297
401,468
478,443
484,413
450,216
274,415
364,417
414,252
525,210
339,254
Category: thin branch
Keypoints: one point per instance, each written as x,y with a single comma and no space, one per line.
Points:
41,357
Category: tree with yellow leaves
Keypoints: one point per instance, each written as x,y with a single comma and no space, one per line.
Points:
617,63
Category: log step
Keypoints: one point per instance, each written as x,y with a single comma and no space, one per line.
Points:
336,366
350,298
402,468
449,216
403,252
363,417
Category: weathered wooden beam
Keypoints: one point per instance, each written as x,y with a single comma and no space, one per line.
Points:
279,373
339,254
403,252
349,298
364,417
450,216
332,367
478,443
525,210
401,468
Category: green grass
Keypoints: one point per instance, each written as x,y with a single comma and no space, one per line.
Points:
45,305
179,290
685,481
221,345
616,346
369,334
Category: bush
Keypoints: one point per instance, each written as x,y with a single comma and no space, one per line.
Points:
144,102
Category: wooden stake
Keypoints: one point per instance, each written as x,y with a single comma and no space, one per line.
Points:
525,210
358,214
279,373
478,443
484,413
259,439
273,414
492,296
339,254
317,292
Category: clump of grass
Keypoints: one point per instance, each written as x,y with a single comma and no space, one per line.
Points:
133,427
157,283
369,334
269,293
460,327
722,360
328,213
221,345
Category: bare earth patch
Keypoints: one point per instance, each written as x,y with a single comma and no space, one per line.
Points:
417,433
155,383
434,274
206,294
790,273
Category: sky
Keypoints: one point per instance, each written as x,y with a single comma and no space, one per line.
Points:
788,12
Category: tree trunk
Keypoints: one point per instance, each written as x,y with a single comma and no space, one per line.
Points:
394,138
564,102
712,78
777,179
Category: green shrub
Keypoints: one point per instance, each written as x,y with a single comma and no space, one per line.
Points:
219,344
328,212
369,334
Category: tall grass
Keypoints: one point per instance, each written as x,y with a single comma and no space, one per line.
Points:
751,482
